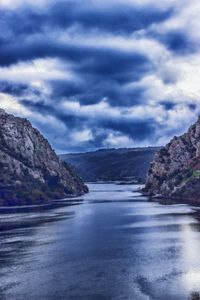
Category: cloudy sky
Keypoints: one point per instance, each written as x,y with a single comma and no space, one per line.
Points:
101,73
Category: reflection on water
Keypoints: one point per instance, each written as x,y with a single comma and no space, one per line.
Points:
115,245
191,255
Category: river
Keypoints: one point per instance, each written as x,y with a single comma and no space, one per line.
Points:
109,244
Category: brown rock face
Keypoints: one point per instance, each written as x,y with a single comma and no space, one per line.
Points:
30,170
175,171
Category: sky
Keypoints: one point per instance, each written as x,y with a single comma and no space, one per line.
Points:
95,74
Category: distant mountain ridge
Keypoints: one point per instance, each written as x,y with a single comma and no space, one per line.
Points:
123,164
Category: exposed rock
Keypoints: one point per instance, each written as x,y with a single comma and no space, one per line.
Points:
31,172
175,171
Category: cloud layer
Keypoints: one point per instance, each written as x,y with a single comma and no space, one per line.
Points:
93,74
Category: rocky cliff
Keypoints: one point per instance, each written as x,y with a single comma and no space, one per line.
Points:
175,171
30,170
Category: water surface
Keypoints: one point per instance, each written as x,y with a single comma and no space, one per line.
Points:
110,244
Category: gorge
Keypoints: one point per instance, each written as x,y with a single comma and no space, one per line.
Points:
31,172
175,171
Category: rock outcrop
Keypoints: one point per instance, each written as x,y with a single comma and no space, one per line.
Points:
30,170
175,171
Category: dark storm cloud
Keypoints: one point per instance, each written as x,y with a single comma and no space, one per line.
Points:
192,106
19,39
178,42
18,89
112,92
13,89
138,130
62,88
24,50
118,65
68,119
97,45
168,105
117,18
104,74
99,64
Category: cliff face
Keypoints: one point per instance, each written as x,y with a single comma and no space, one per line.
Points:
30,171
175,171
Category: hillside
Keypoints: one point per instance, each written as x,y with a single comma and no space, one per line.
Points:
112,164
175,171
31,172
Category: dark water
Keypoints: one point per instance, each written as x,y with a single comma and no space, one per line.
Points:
114,245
